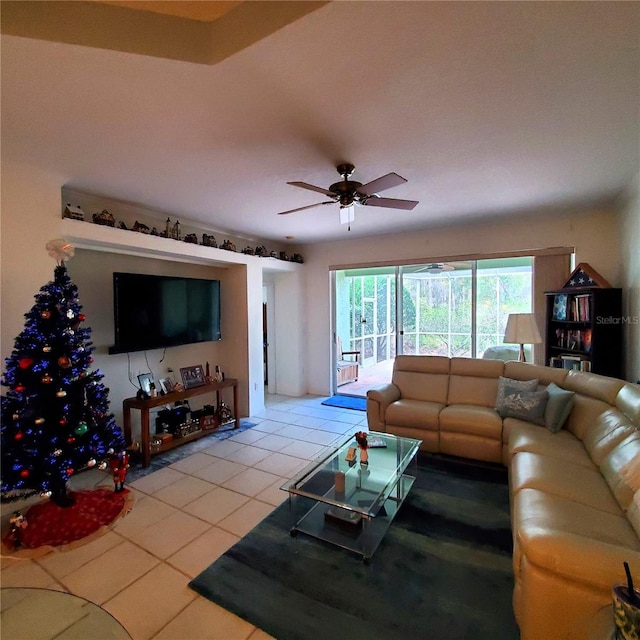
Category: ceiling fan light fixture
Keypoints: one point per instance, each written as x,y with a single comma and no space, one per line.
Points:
347,214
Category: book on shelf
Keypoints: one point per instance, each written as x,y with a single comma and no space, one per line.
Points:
574,339
572,362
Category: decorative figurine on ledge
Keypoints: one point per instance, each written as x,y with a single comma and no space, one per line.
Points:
74,212
191,238
248,251
261,251
140,227
209,241
228,246
104,218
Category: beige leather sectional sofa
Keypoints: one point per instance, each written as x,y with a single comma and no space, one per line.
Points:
575,493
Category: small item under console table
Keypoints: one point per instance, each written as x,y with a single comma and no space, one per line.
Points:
145,405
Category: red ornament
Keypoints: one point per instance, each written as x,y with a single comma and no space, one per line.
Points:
90,359
25,363
24,473
69,471
19,387
63,421
71,439
64,362
46,379
45,314
82,317
18,435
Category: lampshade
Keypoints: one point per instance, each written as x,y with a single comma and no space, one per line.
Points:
522,329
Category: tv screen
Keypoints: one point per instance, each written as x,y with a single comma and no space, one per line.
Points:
152,312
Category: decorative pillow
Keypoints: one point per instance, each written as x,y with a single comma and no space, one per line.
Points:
526,405
558,407
515,385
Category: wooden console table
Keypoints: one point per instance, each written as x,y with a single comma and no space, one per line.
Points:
145,405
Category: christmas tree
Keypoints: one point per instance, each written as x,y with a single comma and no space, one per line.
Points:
55,415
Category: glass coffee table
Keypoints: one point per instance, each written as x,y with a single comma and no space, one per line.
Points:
341,500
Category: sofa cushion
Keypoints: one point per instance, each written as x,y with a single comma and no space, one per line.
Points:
584,413
628,401
526,405
478,421
606,431
558,407
473,381
536,509
414,413
569,480
528,371
509,385
420,378
593,385
621,469
523,436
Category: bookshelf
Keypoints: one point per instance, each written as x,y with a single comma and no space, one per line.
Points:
584,329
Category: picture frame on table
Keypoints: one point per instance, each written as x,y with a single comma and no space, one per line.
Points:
166,385
193,376
145,380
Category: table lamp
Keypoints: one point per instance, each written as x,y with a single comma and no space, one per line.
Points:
522,329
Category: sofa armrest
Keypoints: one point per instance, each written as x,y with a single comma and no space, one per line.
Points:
378,399
575,557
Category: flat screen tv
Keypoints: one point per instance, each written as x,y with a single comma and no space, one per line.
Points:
152,312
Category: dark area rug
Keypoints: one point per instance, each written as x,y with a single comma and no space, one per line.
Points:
443,569
346,402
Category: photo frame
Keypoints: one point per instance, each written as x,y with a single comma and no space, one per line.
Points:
166,385
145,380
193,376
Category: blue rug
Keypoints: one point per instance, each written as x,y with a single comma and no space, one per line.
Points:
346,402
442,572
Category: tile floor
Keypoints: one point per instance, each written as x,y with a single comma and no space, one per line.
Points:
186,515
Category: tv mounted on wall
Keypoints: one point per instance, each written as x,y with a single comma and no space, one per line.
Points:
152,312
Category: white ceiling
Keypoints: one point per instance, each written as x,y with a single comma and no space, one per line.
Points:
486,108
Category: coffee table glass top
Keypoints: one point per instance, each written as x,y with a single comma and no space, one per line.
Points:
358,487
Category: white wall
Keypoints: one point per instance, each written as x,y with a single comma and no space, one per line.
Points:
594,234
630,261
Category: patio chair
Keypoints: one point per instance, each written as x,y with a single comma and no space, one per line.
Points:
347,364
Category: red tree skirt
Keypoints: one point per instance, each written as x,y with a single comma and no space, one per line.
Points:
54,526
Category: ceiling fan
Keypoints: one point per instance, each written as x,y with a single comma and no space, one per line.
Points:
348,193
436,267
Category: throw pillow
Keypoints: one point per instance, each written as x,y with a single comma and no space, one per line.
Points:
516,385
526,405
558,407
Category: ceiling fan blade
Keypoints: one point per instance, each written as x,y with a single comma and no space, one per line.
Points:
382,183
390,203
311,187
309,206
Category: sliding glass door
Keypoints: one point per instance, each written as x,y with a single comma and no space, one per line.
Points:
454,309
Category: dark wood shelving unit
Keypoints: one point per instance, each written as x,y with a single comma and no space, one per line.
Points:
584,329
145,405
